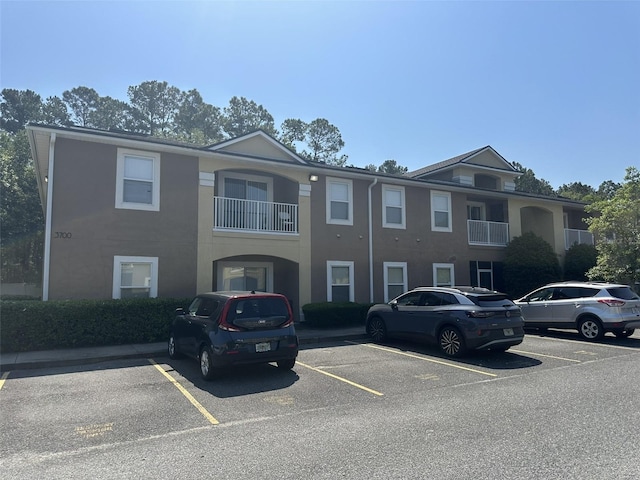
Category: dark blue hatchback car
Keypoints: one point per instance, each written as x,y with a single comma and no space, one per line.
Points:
222,329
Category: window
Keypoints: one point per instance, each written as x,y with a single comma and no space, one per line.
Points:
476,211
246,201
138,180
339,201
441,211
395,279
135,277
443,275
245,276
393,211
340,282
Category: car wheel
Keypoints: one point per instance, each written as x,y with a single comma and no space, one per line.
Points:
377,330
451,342
590,329
286,364
171,348
624,333
207,370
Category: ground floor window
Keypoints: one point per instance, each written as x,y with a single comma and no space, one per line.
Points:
486,274
395,279
135,277
245,276
340,281
443,275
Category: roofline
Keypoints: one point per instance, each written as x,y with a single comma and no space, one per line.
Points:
104,136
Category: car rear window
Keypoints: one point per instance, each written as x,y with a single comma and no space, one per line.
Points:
496,300
259,308
625,293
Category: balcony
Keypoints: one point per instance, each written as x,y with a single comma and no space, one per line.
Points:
495,234
234,214
573,236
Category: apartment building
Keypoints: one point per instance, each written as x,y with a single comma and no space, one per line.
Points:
129,215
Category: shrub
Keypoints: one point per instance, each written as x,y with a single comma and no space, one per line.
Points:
579,259
530,262
331,314
29,325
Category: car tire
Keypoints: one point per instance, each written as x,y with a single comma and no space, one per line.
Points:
624,333
590,329
451,342
287,364
207,370
377,330
172,349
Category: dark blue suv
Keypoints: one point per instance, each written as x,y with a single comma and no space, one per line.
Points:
222,329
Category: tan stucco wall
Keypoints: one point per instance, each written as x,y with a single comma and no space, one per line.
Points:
84,181
217,245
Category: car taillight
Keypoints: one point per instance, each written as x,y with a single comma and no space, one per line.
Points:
612,302
224,325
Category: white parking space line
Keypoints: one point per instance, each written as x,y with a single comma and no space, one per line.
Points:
543,355
184,391
439,362
591,344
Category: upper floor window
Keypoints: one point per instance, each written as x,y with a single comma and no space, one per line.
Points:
135,277
441,211
339,201
138,180
393,207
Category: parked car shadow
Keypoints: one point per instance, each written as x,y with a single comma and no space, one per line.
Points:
236,381
487,359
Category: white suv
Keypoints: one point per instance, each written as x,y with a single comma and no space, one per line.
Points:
590,307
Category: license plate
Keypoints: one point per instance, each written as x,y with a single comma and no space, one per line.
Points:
508,331
263,347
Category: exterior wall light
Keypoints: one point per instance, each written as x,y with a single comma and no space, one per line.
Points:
313,178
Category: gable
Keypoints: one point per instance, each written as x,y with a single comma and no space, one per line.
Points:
257,144
488,158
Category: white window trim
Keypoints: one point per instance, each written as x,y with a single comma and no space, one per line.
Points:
449,266
267,265
386,266
154,206
349,183
118,260
433,212
385,224
483,210
248,178
334,263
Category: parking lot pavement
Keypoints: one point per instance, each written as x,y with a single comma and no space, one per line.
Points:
78,356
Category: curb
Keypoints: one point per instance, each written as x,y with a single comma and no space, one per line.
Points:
159,352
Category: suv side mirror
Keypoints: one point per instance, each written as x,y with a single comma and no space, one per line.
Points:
394,304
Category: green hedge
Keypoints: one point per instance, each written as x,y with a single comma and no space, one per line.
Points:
31,326
330,314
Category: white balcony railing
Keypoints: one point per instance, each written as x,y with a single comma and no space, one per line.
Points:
572,236
254,216
487,233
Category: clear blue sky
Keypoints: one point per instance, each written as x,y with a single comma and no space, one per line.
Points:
554,86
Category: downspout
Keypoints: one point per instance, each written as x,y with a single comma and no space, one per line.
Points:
47,228
371,241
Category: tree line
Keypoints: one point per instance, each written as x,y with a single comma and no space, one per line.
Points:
158,109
